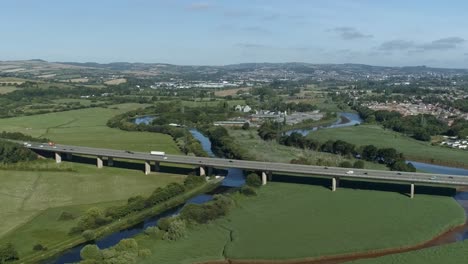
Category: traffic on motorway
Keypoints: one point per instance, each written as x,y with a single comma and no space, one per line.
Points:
256,165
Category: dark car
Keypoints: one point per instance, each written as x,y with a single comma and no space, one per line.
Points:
129,152
399,173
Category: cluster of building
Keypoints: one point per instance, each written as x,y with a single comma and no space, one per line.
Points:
454,142
257,117
180,84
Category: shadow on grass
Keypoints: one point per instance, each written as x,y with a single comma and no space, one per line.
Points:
401,188
121,164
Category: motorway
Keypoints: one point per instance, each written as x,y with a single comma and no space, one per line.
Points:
285,168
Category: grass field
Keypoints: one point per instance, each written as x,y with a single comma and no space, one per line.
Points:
87,127
376,135
26,194
456,253
290,221
271,151
7,89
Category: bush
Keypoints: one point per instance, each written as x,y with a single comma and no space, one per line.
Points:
177,229
359,164
154,232
89,235
90,252
66,216
129,245
39,247
253,180
202,213
8,253
143,253
192,181
346,164
248,191
165,222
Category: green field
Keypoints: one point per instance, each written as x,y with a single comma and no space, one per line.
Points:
87,127
456,253
376,135
272,151
292,221
25,194
30,197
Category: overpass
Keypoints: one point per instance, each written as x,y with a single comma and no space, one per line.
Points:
152,162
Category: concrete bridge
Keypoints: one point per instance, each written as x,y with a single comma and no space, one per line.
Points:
152,163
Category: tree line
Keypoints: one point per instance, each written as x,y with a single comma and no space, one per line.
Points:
13,153
420,127
388,156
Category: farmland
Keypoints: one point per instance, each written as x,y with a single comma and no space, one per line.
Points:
413,149
304,222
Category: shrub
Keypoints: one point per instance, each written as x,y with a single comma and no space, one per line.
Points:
193,181
202,213
143,253
346,164
165,222
66,216
129,245
248,191
177,230
89,235
8,253
154,232
359,164
253,180
90,252
39,247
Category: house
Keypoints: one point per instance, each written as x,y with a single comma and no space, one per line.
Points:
245,109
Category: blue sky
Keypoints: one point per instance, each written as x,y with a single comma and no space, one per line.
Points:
217,32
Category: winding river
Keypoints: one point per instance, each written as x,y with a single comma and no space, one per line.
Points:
235,178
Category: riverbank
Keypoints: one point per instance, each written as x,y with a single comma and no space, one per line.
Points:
311,223
380,137
123,223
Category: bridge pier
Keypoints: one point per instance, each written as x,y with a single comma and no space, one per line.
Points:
147,167
264,178
69,156
210,171
335,183
270,176
157,166
412,191
58,157
99,162
202,171
110,161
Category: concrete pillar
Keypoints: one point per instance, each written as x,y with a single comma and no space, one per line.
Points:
147,167
335,183
210,171
270,176
99,162
110,161
264,178
157,167
69,156
412,191
202,171
58,157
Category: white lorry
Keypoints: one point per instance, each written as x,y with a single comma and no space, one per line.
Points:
158,153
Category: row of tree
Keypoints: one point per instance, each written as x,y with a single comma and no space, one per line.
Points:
96,217
13,153
388,156
420,127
